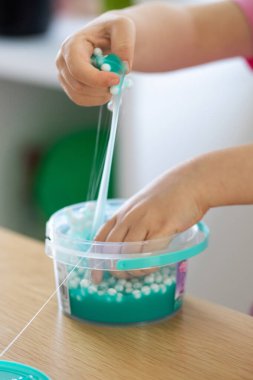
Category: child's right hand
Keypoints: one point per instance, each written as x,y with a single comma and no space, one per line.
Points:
83,83
169,205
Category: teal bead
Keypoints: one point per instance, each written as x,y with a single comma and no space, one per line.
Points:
115,63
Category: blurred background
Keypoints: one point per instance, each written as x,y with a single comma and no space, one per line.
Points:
47,143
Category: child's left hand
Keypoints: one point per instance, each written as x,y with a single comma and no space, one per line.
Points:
83,83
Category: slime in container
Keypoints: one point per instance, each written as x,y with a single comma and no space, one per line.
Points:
118,283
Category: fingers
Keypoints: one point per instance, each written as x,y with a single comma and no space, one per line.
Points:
105,230
96,276
129,227
122,32
123,232
81,99
76,53
79,87
110,233
83,83
138,234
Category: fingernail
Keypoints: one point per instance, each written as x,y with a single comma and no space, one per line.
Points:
113,82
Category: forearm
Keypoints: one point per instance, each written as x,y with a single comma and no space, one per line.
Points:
172,37
224,177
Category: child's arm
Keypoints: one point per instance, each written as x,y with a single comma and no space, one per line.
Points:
151,37
179,198
170,37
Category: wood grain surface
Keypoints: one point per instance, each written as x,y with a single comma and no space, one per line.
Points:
204,341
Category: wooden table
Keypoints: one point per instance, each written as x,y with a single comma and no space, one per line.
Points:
203,342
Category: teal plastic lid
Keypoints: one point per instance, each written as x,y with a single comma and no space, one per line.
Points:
66,244
19,371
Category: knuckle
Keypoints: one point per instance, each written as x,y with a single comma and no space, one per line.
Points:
74,69
122,20
77,86
122,218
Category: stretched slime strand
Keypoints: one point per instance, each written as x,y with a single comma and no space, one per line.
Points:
117,66
108,63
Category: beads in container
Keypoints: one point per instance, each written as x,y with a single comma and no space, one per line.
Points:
118,283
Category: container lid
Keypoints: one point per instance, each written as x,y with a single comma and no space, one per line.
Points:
18,371
71,249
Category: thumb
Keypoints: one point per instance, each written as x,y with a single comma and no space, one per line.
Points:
122,35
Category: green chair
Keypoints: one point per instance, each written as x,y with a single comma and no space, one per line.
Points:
63,174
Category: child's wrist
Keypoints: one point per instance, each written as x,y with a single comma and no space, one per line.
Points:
203,183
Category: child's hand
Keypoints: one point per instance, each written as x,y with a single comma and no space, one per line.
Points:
84,84
171,204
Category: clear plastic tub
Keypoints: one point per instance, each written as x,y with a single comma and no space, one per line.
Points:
118,283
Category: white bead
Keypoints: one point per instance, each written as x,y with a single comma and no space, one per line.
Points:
74,283
84,283
114,90
101,292
168,281
79,298
119,288
163,288
106,67
119,297
81,270
149,279
137,294
129,290
155,288
112,291
90,207
146,290
112,281
92,289
128,83
110,106
103,285
73,276
158,278
122,281
137,285
97,51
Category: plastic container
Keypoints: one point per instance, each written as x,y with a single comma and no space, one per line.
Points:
18,371
118,283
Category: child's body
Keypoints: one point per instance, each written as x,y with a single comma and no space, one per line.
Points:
161,37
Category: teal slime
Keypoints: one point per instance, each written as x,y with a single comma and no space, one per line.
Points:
123,301
106,309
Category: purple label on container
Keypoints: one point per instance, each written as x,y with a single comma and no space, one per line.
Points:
180,280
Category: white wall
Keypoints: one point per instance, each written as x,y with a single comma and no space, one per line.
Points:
168,118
